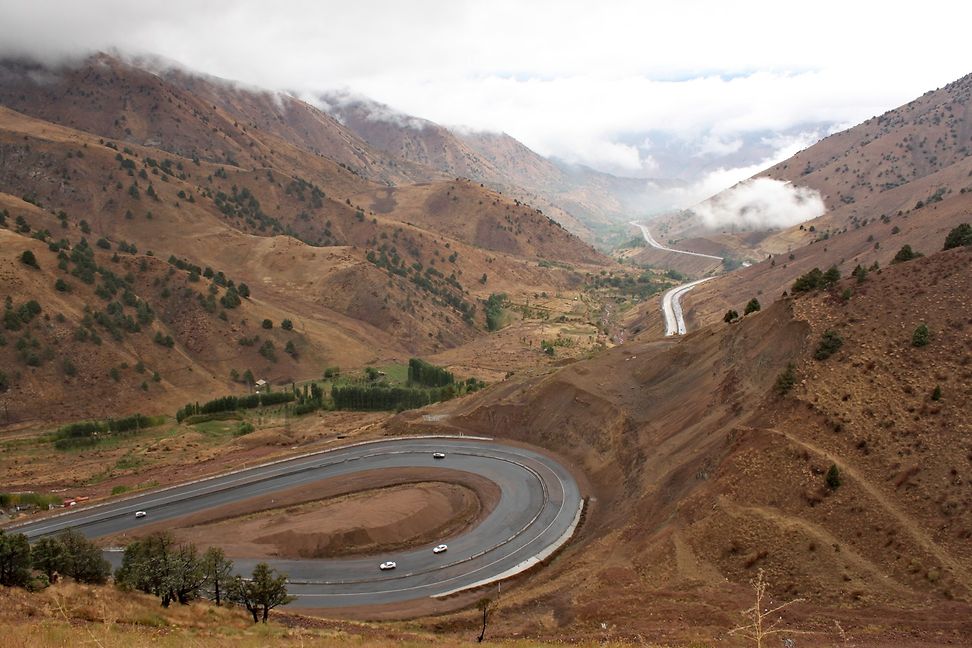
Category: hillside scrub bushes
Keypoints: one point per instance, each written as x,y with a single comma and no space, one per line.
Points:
959,236
730,316
786,380
752,307
830,343
496,311
816,279
28,259
921,336
905,254
833,477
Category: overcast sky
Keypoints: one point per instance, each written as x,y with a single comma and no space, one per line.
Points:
583,81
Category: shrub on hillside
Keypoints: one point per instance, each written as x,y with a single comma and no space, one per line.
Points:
28,259
752,307
959,236
267,324
905,254
807,282
730,316
786,380
830,342
921,336
833,477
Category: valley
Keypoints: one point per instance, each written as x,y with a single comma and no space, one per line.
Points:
325,336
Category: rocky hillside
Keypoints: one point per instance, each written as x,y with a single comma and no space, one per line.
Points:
583,200
845,476
167,193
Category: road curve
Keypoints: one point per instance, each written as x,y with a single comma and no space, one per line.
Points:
538,507
672,300
650,240
672,307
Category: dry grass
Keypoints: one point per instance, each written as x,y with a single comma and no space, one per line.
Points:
77,615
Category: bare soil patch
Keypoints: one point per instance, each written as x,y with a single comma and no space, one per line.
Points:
370,512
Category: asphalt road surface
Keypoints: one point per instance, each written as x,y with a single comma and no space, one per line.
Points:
650,240
672,307
672,301
538,504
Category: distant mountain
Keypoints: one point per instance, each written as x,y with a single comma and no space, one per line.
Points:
582,199
903,178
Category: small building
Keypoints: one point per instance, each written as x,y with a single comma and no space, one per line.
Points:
260,386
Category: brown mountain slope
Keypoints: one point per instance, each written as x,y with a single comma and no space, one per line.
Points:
359,286
583,200
702,473
888,167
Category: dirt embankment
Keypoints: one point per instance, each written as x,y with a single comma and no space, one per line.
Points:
703,473
370,512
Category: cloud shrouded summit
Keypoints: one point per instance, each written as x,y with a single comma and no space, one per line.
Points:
583,84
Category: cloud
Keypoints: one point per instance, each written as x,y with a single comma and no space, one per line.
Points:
582,86
761,203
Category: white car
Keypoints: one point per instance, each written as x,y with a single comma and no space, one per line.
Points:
438,455
140,514
385,566
441,548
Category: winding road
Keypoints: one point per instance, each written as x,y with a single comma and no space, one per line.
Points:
672,300
538,510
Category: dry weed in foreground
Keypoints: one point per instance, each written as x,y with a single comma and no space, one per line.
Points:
761,623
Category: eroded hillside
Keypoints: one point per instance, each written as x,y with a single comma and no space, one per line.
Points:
704,470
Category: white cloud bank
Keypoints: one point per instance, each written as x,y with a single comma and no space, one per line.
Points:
761,203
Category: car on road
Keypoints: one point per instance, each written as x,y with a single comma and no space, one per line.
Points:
140,514
385,566
441,548
438,455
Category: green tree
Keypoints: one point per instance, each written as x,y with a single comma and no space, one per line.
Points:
14,559
959,236
936,394
267,324
830,342
752,307
486,606
905,254
287,325
47,556
833,477
921,336
217,569
82,559
809,281
830,277
786,380
265,590
28,258
730,316
248,378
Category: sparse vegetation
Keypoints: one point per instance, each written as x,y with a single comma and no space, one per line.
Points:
833,477
730,316
830,343
921,336
28,259
959,236
905,254
752,307
786,380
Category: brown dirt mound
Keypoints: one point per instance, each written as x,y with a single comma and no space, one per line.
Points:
369,512
361,523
